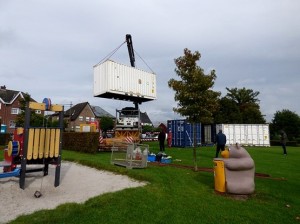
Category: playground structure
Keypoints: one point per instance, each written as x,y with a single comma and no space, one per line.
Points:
235,172
34,145
129,155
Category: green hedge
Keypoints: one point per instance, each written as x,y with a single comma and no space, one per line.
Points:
4,138
288,143
81,141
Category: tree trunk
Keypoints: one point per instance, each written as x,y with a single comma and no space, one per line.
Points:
195,147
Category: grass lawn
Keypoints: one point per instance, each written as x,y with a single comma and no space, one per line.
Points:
179,195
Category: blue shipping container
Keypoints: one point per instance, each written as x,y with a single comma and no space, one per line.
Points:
183,133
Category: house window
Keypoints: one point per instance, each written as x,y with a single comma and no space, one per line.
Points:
12,124
15,110
38,111
80,118
87,119
92,119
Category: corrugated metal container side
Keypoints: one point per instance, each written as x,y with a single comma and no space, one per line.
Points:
183,133
246,134
119,79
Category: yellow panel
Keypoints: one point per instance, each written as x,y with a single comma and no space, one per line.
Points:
57,141
219,173
42,143
30,143
36,143
52,141
47,143
37,106
56,107
9,148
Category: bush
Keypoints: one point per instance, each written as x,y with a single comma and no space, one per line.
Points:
81,141
288,143
4,138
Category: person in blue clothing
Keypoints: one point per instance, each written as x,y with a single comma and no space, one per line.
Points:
221,141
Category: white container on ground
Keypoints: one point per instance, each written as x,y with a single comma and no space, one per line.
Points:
246,134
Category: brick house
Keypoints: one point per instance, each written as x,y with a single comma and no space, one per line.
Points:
10,107
81,113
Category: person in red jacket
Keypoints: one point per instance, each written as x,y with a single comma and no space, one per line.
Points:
170,139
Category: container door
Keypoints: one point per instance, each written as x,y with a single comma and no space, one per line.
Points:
207,134
189,135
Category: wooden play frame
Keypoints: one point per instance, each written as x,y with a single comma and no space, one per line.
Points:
42,145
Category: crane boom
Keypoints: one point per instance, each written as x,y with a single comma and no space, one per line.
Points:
130,50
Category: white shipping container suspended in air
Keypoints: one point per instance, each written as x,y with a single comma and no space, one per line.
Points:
118,81
246,134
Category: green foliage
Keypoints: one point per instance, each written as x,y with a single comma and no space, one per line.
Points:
4,138
288,121
106,123
242,96
240,106
288,143
229,112
36,120
55,123
196,99
147,128
157,129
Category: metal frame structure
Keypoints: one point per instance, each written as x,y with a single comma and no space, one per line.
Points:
129,155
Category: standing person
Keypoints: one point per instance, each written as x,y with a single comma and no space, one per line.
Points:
161,139
283,139
170,138
221,141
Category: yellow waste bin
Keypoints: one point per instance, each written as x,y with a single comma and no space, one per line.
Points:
219,175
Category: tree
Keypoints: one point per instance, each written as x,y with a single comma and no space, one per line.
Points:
36,120
242,96
240,106
288,121
229,112
147,128
196,99
106,123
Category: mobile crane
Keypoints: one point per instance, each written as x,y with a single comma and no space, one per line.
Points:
129,117
128,124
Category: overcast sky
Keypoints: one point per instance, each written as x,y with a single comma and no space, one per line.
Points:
49,48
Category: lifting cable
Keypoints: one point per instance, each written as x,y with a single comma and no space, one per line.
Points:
115,50
110,54
144,61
